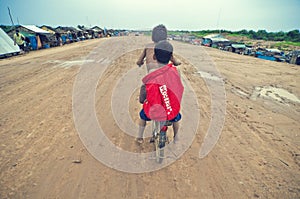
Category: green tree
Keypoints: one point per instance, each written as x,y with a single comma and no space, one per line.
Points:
261,34
293,35
280,36
243,32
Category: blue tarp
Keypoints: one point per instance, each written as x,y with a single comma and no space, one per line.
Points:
33,42
266,57
64,39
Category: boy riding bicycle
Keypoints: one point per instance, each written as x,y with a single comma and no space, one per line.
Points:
162,93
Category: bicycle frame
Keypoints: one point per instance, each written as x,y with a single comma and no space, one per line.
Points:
159,132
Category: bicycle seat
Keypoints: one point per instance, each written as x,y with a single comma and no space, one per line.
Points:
168,123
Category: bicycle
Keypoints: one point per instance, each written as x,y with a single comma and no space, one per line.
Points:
159,132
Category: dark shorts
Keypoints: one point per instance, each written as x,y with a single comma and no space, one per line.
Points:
22,46
144,117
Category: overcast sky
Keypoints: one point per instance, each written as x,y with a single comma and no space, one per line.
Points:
270,15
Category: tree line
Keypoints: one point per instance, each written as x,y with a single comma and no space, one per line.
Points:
292,36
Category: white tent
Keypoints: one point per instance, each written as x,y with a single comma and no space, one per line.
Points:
215,38
35,29
7,46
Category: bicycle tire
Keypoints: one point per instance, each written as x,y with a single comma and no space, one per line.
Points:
158,151
160,139
161,145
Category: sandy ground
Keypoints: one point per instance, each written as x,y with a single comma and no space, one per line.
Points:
42,156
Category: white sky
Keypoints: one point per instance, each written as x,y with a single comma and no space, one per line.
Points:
270,15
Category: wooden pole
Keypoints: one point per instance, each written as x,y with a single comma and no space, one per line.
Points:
10,17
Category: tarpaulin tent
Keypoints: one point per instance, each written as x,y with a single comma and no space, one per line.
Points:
43,37
33,42
211,39
7,46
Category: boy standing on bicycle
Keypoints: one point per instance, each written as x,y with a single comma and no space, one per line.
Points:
162,93
159,33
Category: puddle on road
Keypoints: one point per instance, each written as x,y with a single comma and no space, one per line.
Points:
239,92
278,94
68,64
209,76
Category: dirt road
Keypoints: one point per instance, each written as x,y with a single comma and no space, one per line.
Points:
42,155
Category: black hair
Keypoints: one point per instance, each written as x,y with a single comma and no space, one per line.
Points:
163,51
159,33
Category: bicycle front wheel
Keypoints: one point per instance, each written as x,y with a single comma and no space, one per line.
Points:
161,142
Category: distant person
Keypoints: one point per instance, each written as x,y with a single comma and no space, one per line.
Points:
58,39
20,40
159,33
